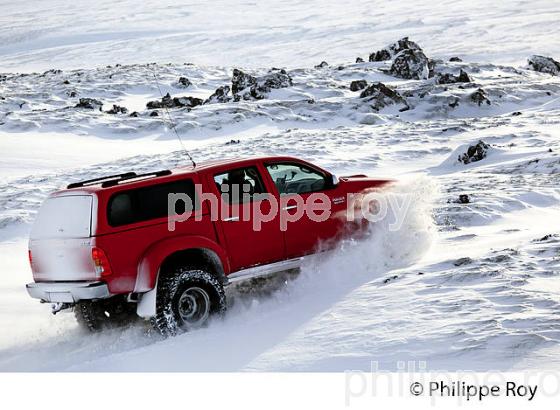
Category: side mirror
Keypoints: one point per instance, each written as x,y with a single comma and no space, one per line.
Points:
334,180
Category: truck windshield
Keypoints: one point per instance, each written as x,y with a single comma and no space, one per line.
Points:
64,217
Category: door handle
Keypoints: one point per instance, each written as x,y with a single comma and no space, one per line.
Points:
289,207
231,219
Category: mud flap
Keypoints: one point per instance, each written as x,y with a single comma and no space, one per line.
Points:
146,307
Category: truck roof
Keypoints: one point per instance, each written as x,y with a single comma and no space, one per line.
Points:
130,179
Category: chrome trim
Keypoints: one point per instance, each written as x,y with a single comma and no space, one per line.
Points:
67,292
289,207
264,270
231,219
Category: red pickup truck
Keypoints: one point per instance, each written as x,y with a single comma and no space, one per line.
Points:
115,246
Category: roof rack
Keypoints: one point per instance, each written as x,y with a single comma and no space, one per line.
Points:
97,180
112,180
116,181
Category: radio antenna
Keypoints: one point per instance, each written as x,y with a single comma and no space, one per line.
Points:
171,122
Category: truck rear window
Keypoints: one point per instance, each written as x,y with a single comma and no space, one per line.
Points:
144,204
64,217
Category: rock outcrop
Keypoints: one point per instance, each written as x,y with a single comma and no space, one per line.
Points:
174,102
189,102
184,82
358,85
448,78
117,109
475,153
247,87
411,64
544,65
392,50
480,97
241,81
379,96
221,95
90,104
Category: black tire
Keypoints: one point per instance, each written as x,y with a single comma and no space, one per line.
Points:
186,299
97,315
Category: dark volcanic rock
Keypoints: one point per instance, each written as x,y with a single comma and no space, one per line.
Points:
380,55
411,65
90,104
280,79
448,78
359,60
134,114
463,261
247,87
392,50
117,109
358,85
174,102
240,81
389,279
454,103
474,153
546,238
154,114
184,82
455,60
463,77
544,65
221,95
380,96
52,71
189,102
463,199
166,101
445,78
479,97
322,65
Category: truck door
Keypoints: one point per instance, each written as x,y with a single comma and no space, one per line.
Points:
241,192
296,182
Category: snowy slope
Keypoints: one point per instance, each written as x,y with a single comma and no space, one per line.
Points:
462,286
291,33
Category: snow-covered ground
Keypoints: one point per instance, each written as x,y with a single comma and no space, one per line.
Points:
462,286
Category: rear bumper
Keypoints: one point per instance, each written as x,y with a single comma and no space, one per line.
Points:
67,292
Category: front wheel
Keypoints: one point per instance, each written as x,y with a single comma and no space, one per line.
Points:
186,299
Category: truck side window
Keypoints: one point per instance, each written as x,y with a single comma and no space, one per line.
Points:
239,185
147,203
291,178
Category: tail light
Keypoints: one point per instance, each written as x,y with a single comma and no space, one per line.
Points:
30,258
101,262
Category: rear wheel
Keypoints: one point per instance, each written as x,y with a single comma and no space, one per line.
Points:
186,299
98,315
